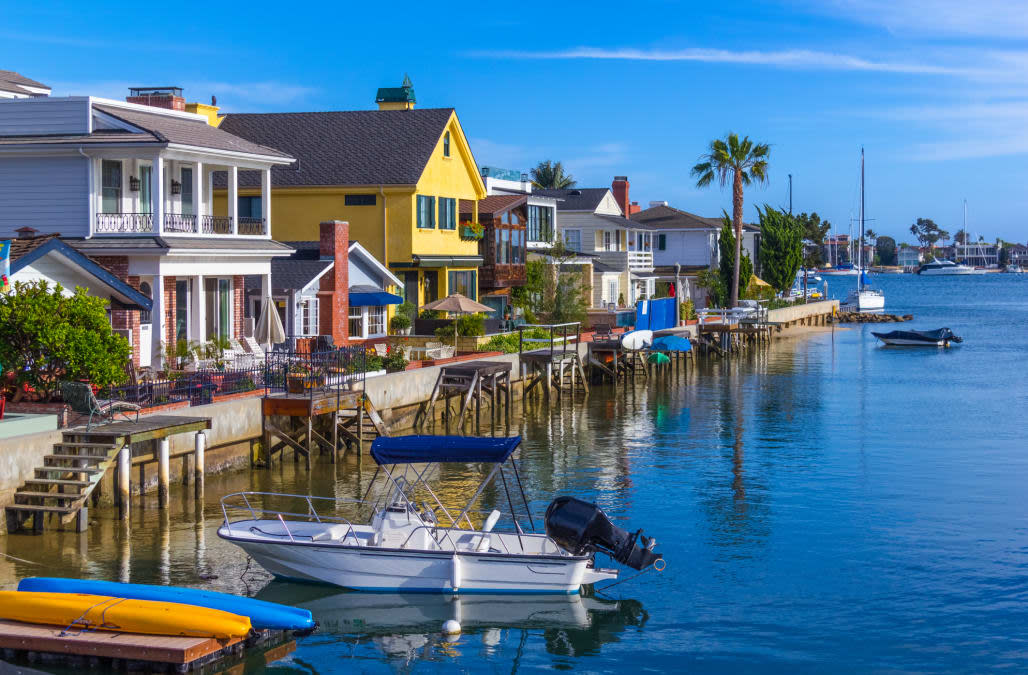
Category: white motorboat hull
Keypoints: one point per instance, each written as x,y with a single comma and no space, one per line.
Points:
369,568
901,342
865,301
956,270
839,273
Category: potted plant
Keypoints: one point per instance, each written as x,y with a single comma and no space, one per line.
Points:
400,324
296,378
394,360
472,230
687,313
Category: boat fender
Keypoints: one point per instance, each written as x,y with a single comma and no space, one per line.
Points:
451,627
455,573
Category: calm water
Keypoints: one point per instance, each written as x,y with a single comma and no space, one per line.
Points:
826,504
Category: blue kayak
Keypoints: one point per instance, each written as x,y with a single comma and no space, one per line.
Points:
263,615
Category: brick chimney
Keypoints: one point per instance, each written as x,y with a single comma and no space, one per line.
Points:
334,294
27,232
620,189
158,97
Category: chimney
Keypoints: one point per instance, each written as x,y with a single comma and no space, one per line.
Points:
620,189
169,98
334,294
634,208
27,232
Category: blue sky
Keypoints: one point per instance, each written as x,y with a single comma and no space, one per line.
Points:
935,91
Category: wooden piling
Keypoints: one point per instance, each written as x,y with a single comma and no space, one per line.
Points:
163,471
124,493
199,449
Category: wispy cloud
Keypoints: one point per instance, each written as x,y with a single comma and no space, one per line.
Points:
972,130
955,18
789,58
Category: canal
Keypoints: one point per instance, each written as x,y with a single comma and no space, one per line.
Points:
823,503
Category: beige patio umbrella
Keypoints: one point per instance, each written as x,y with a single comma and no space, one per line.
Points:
268,330
457,304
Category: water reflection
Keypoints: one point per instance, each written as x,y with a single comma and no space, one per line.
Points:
406,627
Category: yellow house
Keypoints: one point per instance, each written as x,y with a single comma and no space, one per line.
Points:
396,174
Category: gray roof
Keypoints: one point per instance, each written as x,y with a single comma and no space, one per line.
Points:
624,222
158,244
360,147
600,266
667,217
12,81
575,199
168,129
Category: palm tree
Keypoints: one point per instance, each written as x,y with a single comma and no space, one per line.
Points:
550,175
746,162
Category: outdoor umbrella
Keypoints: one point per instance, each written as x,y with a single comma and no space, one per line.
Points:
457,304
269,329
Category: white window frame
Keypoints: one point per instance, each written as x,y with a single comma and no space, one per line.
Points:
360,316
609,241
378,311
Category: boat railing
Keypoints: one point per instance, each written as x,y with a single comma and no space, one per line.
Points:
433,529
230,502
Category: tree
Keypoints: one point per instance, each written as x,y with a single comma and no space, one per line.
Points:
550,174
961,236
746,162
47,336
927,232
718,282
813,230
885,247
781,248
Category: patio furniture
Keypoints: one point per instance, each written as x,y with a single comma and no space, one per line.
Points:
381,349
602,331
79,395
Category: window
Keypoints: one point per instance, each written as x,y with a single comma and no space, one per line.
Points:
218,305
359,200
376,320
447,213
446,144
661,242
540,223
249,207
608,240
357,322
464,283
146,188
181,309
573,240
188,207
517,247
144,288
612,290
110,186
309,317
426,212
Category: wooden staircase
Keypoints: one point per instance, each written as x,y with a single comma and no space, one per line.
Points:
61,487
360,424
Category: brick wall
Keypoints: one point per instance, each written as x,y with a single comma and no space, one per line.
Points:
334,294
238,305
170,305
124,319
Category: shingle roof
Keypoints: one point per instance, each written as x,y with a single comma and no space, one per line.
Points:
360,147
575,199
492,204
12,81
624,222
25,245
668,217
166,128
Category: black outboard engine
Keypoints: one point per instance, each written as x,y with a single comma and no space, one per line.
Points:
581,527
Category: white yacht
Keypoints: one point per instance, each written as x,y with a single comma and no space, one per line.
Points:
409,547
936,267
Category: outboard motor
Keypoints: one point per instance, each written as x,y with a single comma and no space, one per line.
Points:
580,527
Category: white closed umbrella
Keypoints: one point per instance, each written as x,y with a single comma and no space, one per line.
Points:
269,330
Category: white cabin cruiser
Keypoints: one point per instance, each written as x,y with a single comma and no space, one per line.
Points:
936,267
407,546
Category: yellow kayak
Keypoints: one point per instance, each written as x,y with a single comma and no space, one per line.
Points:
79,611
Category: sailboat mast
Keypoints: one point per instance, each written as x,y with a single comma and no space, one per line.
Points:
860,241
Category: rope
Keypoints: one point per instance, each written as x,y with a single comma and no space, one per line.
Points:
621,581
85,624
8,555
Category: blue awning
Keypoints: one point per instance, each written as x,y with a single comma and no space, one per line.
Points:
374,298
427,449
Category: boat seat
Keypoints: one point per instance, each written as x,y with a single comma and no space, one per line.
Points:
483,540
332,533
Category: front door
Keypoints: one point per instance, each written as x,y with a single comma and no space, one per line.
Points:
410,288
431,286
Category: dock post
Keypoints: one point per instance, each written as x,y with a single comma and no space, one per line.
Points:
200,447
163,452
185,470
124,491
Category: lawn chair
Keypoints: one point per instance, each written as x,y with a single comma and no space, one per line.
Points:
602,331
80,397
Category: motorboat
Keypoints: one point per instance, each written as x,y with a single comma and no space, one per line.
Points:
1013,269
841,270
919,338
409,545
936,267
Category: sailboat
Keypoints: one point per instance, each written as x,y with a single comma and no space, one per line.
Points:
863,299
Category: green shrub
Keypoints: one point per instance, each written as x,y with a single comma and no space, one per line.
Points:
429,314
687,310
373,362
408,310
46,337
399,322
394,360
467,325
508,342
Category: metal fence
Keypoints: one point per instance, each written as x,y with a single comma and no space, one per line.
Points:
308,373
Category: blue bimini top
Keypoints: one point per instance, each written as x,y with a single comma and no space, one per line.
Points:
429,449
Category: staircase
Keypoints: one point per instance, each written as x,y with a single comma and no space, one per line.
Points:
61,487
367,427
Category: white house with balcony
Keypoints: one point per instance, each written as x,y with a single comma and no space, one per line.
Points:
591,222
130,186
541,227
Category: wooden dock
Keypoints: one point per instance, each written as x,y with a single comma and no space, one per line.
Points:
109,651
472,382
71,476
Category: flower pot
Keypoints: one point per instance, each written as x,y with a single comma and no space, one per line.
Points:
295,384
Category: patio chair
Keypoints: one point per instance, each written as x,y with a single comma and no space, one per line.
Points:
381,349
80,397
602,331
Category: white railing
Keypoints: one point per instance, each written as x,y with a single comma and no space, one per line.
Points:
640,259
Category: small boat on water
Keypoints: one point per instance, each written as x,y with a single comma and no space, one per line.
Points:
1013,269
919,338
81,611
263,615
412,546
936,267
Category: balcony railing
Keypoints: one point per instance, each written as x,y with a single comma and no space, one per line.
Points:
178,222
143,223
251,226
640,259
215,225
124,223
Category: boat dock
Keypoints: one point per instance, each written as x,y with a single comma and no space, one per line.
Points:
110,651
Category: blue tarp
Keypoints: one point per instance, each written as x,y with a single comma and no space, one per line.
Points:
427,449
374,299
656,314
672,343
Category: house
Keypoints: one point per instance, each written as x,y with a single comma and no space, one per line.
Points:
977,254
908,257
1019,255
837,249
395,174
128,185
591,221
504,221
308,280
15,85
541,226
